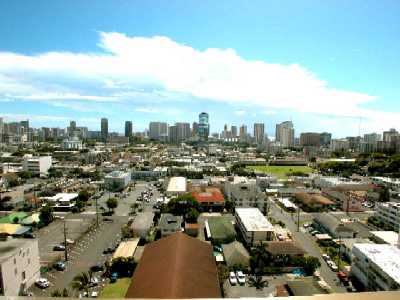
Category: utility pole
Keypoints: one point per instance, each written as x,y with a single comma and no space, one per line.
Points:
340,246
97,214
298,218
65,242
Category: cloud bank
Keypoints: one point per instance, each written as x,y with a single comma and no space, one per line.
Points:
125,68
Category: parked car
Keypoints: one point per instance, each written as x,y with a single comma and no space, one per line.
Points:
326,257
94,281
59,248
332,265
29,235
108,220
232,278
42,283
240,277
94,294
59,266
97,268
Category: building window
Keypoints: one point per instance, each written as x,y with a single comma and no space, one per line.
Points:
29,261
15,261
15,271
23,275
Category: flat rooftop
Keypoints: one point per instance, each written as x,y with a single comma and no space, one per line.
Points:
389,237
253,219
386,257
177,184
10,246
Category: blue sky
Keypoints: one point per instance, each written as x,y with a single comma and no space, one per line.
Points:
327,65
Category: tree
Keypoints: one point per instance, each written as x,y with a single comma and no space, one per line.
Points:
127,232
112,203
46,215
258,282
79,204
25,175
15,220
310,264
84,195
192,216
82,282
181,205
384,194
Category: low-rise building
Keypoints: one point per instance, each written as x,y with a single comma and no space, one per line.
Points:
19,265
389,213
209,198
377,266
327,223
245,193
38,165
176,186
170,224
117,180
253,225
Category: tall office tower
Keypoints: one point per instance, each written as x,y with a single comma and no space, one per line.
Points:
310,139
183,131
204,126
128,128
325,138
372,138
173,134
285,134
259,133
104,129
25,126
195,129
243,131
234,131
72,128
158,131
388,135
1,130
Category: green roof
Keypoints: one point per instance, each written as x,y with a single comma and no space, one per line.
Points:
222,229
10,218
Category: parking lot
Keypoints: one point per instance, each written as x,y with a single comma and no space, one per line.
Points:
87,251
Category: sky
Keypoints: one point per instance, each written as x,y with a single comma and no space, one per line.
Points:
326,65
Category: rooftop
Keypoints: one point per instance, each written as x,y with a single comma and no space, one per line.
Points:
386,257
177,184
10,246
389,237
253,219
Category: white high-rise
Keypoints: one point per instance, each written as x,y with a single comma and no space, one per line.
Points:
158,131
285,134
259,133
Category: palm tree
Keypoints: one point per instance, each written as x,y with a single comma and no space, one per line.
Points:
258,282
81,282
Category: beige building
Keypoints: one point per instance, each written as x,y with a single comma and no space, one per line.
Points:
19,265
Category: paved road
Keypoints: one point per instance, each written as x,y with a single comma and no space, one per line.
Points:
307,243
87,252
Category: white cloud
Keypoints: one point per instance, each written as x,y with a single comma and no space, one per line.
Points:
240,112
269,112
147,110
127,65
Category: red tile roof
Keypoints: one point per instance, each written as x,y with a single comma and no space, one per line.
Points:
210,195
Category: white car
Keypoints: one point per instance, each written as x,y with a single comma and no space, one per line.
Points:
94,294
326,257
94,281
42,283
240,277
232,278
332,265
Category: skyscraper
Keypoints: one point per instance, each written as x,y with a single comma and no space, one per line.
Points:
234,131
259,133
104,129
243,131
310,139
1,129
285,134
183,131
195,129
158,131
325,138
204,126
128,128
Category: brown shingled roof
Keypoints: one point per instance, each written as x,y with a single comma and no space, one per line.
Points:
176,267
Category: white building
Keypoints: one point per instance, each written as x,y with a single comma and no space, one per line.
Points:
244,192
377,266
389,213
117,180
177,186
253,225
38,165
62,201
73,143
285,134
19,265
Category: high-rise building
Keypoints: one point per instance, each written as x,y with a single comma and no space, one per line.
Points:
234,131
1,129
285,134
325,138
158,131
183,131
243,131
388,135
372,138
104,129
195,129
310,139
128,128
173,134
204,126
259,133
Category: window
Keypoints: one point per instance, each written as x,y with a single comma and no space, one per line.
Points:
29,261
23,275
15,271
15,261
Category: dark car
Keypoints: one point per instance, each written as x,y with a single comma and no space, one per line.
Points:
97,268
108,220
59,266
114,277
59,248
29,235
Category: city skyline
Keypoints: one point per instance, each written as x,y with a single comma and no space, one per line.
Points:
131,69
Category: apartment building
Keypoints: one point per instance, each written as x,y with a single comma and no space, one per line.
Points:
389,213
38,165
19,265
244,192
377,266
117,180
253,225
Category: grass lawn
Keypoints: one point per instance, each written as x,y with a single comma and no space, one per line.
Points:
281,171
117,289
